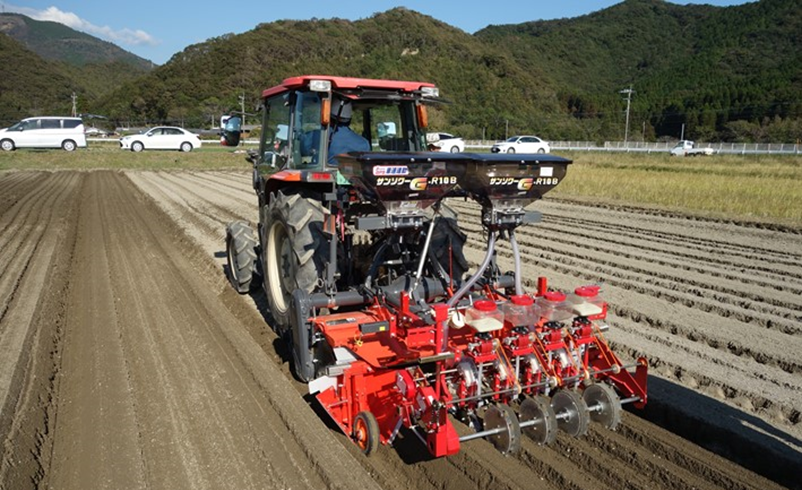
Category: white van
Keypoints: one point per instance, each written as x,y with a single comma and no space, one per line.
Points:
44,132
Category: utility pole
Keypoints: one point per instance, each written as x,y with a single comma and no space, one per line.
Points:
74,104
628,92
242,106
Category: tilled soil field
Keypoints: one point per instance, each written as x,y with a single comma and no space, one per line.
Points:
126,360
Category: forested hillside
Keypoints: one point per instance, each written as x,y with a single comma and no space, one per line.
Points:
44,63
485,86
54,41
726,73
732,74
32,87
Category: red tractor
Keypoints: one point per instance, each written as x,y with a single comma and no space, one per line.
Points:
362,264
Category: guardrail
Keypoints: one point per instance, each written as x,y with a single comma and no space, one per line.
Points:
644,147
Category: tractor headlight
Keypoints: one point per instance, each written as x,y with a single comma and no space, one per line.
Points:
320,85
430,91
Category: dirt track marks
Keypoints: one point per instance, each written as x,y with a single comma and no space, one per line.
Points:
714,306
187,371
158,385
560,466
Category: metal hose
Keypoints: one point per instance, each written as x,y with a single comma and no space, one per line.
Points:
519,290
491,246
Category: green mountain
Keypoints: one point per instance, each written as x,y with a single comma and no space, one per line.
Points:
486,85
43,63
701,66
729,73
35,86
54,41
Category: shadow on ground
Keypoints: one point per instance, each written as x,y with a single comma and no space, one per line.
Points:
724,430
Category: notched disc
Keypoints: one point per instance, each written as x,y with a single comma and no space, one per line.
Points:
539,411
571,412
604,404
507,441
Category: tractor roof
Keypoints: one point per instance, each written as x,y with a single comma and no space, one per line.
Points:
345,83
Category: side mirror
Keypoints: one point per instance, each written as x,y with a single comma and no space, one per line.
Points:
232,130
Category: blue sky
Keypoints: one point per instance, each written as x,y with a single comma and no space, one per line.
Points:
156,30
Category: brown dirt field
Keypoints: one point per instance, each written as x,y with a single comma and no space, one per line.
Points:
126,360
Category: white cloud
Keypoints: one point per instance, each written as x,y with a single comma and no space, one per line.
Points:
131,37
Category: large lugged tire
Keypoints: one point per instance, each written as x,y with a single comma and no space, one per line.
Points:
294,249
241,253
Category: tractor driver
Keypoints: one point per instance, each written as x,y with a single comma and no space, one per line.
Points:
342,139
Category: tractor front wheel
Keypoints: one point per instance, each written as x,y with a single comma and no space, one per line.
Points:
241,254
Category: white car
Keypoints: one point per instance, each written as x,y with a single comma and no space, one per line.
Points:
44,132
161,138
449,142
522,144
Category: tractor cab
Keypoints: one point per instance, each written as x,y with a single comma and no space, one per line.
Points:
300,119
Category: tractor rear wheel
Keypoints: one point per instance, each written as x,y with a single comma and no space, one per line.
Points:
241,254
294,250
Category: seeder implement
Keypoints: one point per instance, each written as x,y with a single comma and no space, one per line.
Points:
364,273
418,358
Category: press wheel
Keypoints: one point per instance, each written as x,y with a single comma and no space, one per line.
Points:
366,432
538,410
509,440
571,412
604,405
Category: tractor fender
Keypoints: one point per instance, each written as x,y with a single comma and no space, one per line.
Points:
297,179
301,336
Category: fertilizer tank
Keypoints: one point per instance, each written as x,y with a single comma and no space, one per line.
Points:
404,183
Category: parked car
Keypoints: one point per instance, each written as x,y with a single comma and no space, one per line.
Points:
449,142
521,144
44,132
161,138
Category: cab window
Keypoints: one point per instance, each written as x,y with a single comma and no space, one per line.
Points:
392,128
306,131
275,130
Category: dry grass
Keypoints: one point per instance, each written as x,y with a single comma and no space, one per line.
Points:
763,188
108,155
760,188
